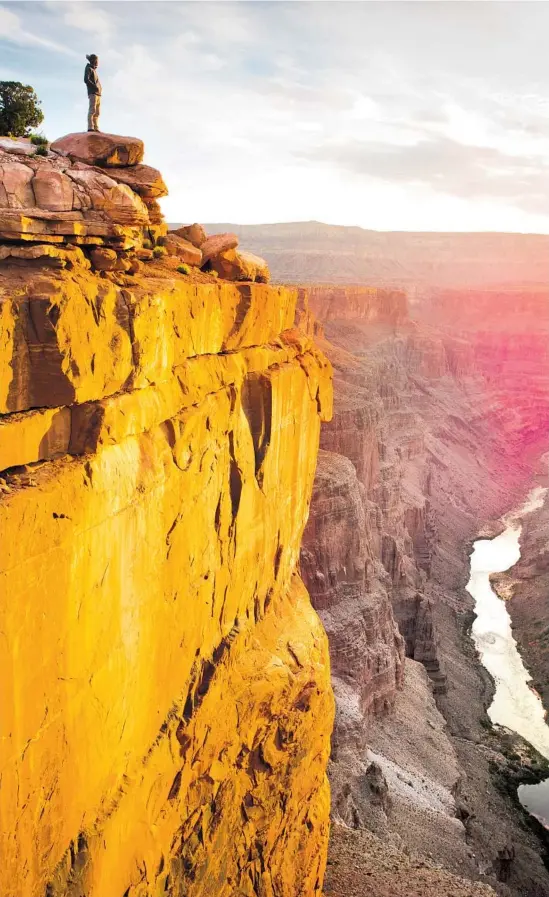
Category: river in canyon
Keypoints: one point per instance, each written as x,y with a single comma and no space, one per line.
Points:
515,705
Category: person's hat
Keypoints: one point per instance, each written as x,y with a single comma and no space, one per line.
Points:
92,57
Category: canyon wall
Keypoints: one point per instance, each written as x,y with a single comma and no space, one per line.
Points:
426,443
166,702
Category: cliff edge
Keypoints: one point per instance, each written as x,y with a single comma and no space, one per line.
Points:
166,689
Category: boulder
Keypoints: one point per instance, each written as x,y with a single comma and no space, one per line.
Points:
232,265
144,254
15,186
104,259
20,146
96,148
217,244
146,181
194,233
183,249
123,264
53,190
255,266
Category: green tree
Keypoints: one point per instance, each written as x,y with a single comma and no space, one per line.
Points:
19,109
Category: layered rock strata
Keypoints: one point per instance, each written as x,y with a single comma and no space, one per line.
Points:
433,442
166,698
58,199
92,190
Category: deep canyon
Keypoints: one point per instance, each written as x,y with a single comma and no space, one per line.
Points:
444,418
226,502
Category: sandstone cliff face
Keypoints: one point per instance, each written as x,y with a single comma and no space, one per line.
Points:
165,682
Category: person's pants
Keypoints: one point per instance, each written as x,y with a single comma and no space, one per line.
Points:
93,112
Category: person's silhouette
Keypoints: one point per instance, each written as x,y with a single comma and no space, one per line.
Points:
92,82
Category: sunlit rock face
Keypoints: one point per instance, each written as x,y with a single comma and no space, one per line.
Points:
166,699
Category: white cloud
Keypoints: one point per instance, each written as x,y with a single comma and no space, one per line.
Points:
85,16
11,30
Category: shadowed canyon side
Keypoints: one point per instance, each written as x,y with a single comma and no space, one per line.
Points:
431,437
165,681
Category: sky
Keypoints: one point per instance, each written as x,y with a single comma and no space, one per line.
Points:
387,115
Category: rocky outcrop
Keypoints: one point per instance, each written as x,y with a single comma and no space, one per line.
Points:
55,199
167,706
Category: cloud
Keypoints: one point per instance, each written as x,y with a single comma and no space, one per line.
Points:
438,106
85,16
447,166
11,30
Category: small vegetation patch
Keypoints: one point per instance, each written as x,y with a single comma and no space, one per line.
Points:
39,140
183,269
159,251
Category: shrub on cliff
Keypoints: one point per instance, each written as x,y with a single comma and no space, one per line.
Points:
19,109
39,140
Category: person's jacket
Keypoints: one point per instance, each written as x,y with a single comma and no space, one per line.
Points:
91,80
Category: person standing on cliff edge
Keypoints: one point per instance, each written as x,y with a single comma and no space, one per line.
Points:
92,82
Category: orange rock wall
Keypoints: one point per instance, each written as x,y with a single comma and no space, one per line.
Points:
166,706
